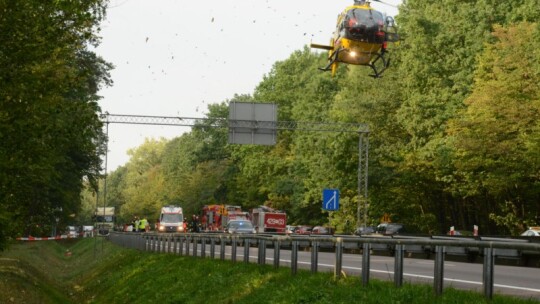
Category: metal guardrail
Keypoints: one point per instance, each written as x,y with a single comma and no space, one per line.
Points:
190,243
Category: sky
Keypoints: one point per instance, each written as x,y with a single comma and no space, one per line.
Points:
174,57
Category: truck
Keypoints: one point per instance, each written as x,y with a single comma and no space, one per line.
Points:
171,219
104,219
266,219
216,217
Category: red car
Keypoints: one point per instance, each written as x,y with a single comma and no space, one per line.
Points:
322,230
303,230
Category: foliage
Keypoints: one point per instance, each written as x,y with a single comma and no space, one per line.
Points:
454,127
144,192
99,272
49,126
492,136
453,132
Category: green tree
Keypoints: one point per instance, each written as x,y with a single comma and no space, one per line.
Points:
49,123
493,134
144,191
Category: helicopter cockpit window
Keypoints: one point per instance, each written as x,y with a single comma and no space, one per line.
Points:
364,25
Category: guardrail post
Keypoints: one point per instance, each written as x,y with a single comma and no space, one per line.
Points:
203,247
339,257
147,243
314,256
181,245
164,241
262,252
168,244
489,262
195,241
398,265
212,247
438,276
366,249
222,248
174,244
294,257
188,241
233,248
160,243
277,247
247,243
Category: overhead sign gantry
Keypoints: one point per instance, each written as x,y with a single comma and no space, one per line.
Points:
256,123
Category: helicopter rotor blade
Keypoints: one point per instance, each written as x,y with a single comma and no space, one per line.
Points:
386,3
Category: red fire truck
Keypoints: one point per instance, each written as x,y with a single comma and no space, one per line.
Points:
266,219
216,217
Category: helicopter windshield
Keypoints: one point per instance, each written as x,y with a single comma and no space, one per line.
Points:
364,25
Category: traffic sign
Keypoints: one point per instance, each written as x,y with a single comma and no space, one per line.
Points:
330,199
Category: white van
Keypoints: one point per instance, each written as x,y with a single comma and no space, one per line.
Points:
171,219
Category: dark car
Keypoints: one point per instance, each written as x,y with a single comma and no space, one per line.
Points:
390,228
365,230
303,229
322,230
239,226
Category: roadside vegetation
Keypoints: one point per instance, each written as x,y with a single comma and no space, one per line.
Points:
96,271
454,130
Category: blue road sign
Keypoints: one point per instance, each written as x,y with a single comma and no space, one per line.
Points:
330,199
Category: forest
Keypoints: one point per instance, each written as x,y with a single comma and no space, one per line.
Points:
454,131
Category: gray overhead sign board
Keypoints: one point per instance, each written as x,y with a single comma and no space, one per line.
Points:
252,123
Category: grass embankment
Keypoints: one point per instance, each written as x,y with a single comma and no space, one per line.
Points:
97,272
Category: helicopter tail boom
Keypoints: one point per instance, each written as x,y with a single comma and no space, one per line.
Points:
320,46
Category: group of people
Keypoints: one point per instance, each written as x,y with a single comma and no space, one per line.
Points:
138,225
195,224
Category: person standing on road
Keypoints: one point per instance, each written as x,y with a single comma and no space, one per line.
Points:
136,223
194,223
142,224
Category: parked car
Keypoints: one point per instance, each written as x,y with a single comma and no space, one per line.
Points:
532,231
365,230
239,226
72,231
289,229
322,230
303,229
390,228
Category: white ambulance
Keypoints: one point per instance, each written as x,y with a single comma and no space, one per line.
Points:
171,219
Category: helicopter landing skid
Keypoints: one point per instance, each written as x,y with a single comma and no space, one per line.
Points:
386,64
333,58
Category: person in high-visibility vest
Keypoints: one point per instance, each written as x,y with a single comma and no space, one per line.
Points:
142,224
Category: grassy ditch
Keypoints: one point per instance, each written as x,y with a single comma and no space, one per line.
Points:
90,271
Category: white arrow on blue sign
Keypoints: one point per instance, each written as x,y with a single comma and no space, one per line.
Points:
330,199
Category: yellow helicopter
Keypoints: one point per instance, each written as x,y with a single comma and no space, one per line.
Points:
361,38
